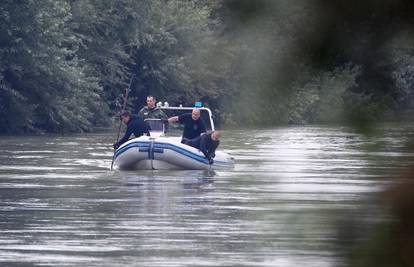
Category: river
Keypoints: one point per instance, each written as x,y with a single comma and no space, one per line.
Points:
283,204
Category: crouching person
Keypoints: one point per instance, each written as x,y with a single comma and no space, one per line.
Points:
135,125
206,143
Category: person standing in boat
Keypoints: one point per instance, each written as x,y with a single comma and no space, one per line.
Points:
206,143
151,111
135,125
193,124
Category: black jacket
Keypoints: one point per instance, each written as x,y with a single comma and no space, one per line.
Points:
136,126
192,128
204,143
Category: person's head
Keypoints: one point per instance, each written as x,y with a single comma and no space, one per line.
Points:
151,101
125,116
195,114
215,135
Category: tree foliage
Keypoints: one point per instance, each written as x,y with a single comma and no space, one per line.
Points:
44,83
314,61
65,63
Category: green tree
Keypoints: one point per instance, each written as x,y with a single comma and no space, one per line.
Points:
106,33
44,84
175,52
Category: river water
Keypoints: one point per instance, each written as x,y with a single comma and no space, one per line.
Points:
283,204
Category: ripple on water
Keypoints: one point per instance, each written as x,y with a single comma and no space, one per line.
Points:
61,206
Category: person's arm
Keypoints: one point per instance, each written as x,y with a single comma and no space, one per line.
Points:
173,119
214,146
125,138
183,118
204,146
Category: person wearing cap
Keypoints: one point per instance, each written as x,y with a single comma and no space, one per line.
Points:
135,125
193,124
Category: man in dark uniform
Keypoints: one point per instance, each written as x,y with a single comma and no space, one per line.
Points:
135,125
193,124
207,143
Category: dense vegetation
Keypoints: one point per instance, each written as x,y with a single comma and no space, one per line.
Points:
65,63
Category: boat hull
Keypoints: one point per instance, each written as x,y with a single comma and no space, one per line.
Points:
165,153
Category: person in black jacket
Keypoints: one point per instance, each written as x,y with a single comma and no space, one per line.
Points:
135,125
206,143
193,124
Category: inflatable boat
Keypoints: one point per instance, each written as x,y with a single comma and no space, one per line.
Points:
164,151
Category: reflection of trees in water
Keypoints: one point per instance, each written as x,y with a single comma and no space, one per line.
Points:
167,179
156,193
